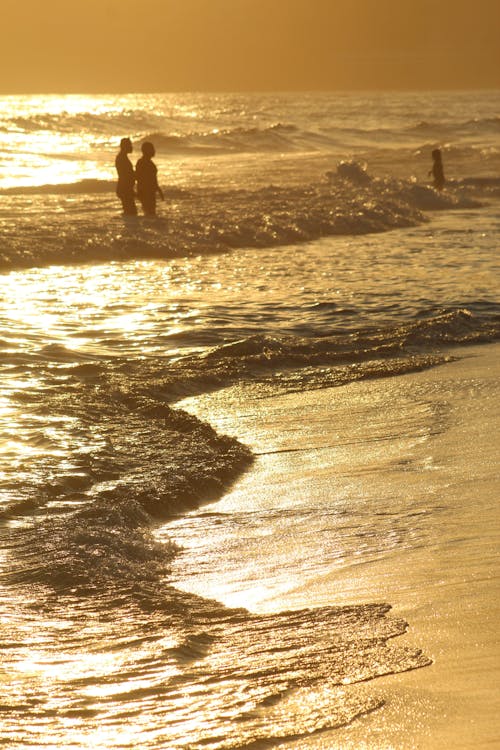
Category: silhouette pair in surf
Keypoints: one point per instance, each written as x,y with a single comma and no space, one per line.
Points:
145,175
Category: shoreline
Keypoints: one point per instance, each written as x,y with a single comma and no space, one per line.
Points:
454,614
443,586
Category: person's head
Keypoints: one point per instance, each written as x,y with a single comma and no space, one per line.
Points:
148,149
126,145
436,154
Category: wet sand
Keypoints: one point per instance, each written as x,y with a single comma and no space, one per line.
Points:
449,593
426,443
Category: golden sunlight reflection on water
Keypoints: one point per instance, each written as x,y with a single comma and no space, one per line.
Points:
60,304
323,458
55,318
49,155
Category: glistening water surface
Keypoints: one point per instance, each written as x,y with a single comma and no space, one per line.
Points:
174,307
271,270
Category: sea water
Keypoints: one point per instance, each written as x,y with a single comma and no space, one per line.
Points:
301,248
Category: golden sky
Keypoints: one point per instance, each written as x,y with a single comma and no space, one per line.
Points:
58,46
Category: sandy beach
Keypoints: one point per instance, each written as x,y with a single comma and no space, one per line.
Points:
424,476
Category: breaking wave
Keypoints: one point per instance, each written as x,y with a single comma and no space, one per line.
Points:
163,129
348,201
91,549
109,122
479,125
276,137
167,461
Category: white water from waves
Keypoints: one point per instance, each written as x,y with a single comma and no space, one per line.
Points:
238,171
110,637
69,138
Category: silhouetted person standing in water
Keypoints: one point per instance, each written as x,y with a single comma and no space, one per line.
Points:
126,178
437,169
147,180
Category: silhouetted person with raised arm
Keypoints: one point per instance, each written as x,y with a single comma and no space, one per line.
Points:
126,178
147,180
437,169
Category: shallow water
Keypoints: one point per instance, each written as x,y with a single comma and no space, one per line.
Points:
90,364
264,276
154,317
335,285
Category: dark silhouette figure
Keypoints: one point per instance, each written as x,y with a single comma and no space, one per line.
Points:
147,180
126,178
437,169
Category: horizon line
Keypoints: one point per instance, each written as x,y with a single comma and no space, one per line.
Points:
234,92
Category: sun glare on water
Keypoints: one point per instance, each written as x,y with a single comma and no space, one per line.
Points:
51,141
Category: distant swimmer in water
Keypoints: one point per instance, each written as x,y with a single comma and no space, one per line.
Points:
126,178
437,169
147,180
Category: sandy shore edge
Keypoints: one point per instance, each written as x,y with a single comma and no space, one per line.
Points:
448,591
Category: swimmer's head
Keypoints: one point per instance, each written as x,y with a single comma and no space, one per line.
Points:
148,149
126,145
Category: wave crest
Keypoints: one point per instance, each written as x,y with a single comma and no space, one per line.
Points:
208,220
348,201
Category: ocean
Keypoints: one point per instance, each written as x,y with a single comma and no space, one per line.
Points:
220,424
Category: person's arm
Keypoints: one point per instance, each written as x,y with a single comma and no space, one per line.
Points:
158,188
139,175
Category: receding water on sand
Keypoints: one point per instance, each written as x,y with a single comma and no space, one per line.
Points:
379,491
